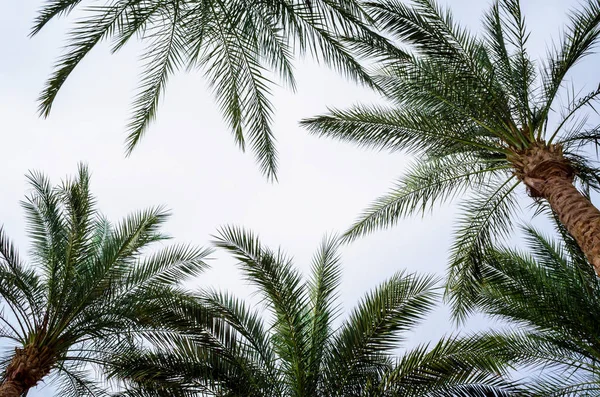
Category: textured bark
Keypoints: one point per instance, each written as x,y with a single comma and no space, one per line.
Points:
27,367
548,175
11,389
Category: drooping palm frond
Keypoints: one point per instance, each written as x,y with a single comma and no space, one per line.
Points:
222,347
426,183
93,285
237,43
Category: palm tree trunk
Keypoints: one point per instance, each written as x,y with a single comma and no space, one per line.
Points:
577,214
549,176
11,389
26,369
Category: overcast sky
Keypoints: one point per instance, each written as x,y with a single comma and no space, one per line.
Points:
188,160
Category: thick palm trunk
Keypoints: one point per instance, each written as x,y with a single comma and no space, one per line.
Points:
26,369
548,175
577,214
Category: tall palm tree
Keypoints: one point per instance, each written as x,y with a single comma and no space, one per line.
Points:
482,120
240,45
553,295
226,349
89,292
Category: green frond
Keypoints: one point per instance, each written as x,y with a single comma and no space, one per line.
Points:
46,227
409,130
94,293
217,345
578,139
552,295
52,9
578,40
522,68
77,382
322,288
247,323
471,366
236,43
486,219
135,232
450,70
545,292
282,289
169,266
85,35
19,285
570,112
164,54
238,79
428,182
325,279
375,326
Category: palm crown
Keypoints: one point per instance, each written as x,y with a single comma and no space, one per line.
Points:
226,349
237,43
91,291
552,296
476,111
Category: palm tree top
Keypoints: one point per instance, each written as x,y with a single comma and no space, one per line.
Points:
475,110
237,44
229,349
485,90
90,288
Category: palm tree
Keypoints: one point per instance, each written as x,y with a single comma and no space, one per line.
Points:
482,120
239,44
226,349
90,290
553,295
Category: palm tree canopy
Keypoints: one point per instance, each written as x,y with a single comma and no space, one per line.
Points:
551,294
91,286
476,111
226,349
238,44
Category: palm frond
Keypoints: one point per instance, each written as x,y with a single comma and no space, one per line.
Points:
322,287
552,294
578,40
163,56
87,33
19,285
427,182
283,292
237,43
454,366
51,10
486,219
90,299
374,327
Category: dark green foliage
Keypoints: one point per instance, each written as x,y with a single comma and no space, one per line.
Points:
240,45
225,348
91,290
552,298
466,106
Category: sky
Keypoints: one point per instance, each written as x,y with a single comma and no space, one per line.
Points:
188,160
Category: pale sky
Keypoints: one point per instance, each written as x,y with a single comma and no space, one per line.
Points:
189,162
